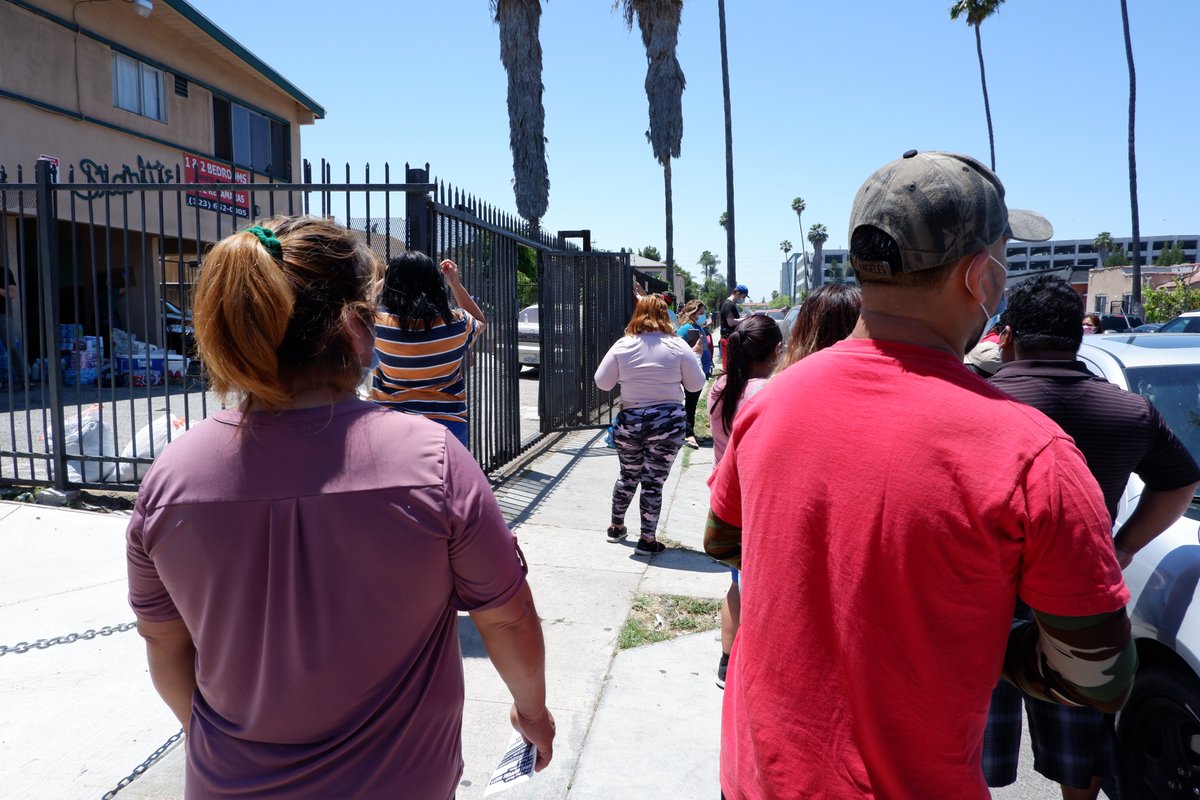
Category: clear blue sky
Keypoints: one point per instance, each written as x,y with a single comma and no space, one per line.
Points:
823,93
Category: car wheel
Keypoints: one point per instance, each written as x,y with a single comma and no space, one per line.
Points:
1158,736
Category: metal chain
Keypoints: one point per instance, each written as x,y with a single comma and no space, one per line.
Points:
145,765
42,644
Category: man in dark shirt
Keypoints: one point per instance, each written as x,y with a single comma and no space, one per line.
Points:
1119,433
728,315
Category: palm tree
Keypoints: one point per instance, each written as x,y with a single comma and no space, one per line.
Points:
798,205
521,54
658,21
1104,245
1133,198
817,236
730,242
709,263
976,12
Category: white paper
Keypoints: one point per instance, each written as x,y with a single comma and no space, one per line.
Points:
516,765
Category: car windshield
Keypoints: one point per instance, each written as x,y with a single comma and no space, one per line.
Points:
1175,392
528,316
1182,325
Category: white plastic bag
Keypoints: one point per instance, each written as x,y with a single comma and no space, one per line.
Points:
83,434
148,443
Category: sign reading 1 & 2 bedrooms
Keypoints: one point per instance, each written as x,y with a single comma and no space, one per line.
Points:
197,169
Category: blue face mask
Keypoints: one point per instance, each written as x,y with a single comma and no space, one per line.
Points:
702,319
1000,310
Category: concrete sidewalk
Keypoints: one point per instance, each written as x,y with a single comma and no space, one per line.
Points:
77,718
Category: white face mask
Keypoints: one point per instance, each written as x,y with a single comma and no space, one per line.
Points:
987,316
1003,300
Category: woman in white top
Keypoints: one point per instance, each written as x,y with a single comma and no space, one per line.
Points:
654,366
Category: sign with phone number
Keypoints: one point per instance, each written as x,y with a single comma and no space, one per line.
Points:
216,205
197,169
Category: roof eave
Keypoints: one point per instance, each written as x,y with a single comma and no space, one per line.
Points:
232,45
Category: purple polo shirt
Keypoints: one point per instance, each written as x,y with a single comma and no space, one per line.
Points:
318,557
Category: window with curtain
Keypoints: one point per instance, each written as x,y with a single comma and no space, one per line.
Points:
138,87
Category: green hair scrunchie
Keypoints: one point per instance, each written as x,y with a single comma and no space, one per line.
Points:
268,239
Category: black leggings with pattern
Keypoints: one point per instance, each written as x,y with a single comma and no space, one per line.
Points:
647,441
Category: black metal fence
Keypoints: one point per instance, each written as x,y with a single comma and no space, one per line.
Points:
98,367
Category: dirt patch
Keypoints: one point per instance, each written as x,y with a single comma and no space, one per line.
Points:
659,617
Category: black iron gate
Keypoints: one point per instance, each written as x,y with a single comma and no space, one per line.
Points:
586,298
98,337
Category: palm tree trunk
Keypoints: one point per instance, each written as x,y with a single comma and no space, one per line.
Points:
987,107
670,226
730,239
1133,197
521,54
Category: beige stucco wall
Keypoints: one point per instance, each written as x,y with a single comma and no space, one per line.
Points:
1115,282
1109,281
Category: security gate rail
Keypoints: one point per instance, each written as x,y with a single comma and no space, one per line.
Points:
98,339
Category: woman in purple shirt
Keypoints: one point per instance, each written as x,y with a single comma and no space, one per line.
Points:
296,562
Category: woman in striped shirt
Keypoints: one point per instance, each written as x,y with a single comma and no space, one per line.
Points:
421,343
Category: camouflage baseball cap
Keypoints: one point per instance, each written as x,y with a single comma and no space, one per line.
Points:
939,207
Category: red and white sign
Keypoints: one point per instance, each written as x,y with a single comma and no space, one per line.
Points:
197,169
53,161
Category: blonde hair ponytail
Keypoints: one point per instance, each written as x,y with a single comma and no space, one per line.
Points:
267,326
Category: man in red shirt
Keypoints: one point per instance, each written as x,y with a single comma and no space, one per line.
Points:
881,564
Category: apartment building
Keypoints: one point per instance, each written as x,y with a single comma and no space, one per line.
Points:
122,93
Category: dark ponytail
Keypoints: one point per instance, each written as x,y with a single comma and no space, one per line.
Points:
754,341
414,291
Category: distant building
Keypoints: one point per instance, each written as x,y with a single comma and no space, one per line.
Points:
1081,253
1110,289
834,268
658,270
1075,260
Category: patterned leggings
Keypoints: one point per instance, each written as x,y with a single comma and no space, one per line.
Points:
647,441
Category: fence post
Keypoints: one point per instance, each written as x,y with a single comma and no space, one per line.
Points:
51,373
416,210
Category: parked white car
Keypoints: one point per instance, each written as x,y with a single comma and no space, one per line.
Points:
1158,731
529,339
1187,322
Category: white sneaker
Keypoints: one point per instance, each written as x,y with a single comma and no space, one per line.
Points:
691,442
